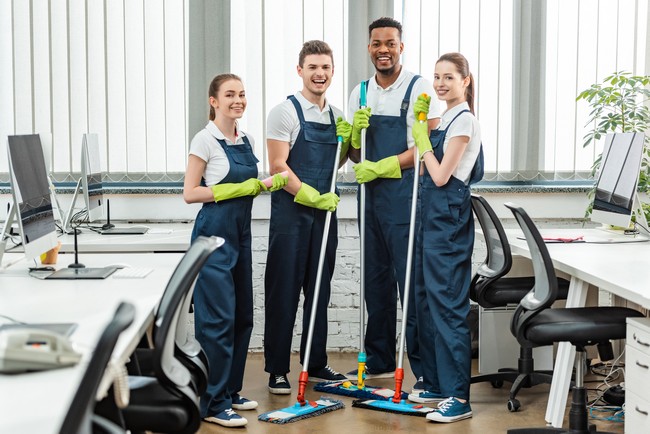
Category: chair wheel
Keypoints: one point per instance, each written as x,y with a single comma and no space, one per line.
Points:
513,405
497,384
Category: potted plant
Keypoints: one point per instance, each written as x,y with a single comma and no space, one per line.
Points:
619,104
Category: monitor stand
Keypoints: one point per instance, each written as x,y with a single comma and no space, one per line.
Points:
6,229
67,218
111,229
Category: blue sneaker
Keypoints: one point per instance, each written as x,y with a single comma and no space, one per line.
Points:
426,397
228,418
418,387
450,410
241,403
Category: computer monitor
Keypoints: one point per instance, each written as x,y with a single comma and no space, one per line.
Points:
30,190
91,177
616,188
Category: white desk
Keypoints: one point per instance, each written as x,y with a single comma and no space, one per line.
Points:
167,237
37,402
621,269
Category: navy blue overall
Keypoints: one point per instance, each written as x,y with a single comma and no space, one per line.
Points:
295,236
388,214
223,295
443,272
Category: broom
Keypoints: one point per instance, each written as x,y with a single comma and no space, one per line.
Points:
303,409
397,404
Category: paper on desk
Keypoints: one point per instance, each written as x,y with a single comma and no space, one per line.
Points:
578,239
160,230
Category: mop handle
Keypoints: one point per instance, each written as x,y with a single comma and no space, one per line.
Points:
362,230
399,372
304,376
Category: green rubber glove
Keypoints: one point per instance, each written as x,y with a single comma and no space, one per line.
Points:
279,182
250,187
344,129
369,170
309,196
420,132
421,106
360,121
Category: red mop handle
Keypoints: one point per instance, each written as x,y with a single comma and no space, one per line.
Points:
302,385
399,378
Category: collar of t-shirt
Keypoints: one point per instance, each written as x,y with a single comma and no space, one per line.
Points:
449,115
308,105
396,85
216,132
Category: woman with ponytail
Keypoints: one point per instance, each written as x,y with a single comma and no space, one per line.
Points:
222,175
452,158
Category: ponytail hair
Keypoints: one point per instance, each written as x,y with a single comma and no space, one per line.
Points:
215,84
462,66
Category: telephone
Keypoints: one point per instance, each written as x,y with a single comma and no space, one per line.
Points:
33,349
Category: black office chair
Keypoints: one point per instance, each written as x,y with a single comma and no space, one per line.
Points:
536,324
169,402
80,417
490,289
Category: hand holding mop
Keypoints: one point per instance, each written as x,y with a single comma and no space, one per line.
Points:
303,409
397,404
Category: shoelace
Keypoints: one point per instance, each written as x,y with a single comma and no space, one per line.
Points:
280,379
444,405
331,371
230,412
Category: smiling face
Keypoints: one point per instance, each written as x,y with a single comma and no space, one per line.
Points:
385,48
231,99
449,84
316,72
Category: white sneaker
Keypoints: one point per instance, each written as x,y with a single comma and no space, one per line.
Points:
228,418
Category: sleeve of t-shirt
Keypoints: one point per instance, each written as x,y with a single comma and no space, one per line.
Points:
462,126
200,146
279,123
424,86
353,103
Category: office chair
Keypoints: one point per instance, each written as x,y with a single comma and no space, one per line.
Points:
80,417
490,289
535,323
169,402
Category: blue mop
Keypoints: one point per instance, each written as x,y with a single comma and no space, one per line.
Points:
303,409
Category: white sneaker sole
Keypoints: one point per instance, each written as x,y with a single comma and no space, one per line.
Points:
250,405
224,422
415,397
280,391
434,416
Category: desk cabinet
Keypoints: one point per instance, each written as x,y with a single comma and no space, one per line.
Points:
637,375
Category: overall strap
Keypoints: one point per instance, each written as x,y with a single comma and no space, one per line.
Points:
407,97
455,117
296,104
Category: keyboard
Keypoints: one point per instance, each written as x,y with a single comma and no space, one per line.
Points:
132,273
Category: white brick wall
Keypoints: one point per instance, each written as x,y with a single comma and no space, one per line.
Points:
343,312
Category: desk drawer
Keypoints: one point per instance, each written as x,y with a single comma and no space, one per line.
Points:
637,371
637,413
638,334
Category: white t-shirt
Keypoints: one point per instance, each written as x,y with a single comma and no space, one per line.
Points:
205,146
283,123
389,101
465,125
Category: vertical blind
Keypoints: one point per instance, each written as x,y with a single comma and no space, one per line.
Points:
119,68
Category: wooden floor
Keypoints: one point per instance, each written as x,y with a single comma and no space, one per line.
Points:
488,405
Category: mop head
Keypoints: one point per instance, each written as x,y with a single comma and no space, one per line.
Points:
298,412
389,406
347,388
